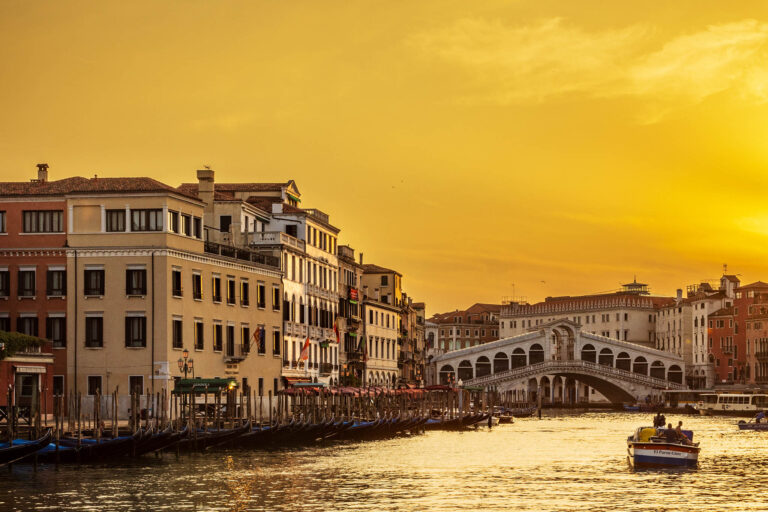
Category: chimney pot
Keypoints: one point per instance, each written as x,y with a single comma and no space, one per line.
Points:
42,172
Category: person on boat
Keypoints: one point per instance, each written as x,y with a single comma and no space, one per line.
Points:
760,417
659,420
682,438
670,434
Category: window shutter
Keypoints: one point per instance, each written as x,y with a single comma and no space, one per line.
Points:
127,331
49,328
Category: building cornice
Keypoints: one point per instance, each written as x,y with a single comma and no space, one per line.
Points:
33,252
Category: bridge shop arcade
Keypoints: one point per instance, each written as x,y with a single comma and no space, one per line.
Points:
564,365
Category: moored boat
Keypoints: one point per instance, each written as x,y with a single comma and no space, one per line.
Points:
650,447
18,449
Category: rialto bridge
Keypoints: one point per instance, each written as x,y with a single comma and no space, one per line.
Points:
559,361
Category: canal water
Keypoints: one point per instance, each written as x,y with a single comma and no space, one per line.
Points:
568,462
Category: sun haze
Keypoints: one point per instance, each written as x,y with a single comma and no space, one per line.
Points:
563,147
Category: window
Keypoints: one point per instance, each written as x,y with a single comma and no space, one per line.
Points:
136,384
94,331
218,337
230,340
178,333
276,342
5,283
56,283
136,281
186,225
173,222
115,220
225,221
93,282
56,331
5,323
276,298
94,384
245,296
42,221
216,289
135,331
197,287
198,225
261,386
2,222
58,385
147,220
261,296
199,335
231,295
27,325
26,283
176,283
262,342
245,339
384,280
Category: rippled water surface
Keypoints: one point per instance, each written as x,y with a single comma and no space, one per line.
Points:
559,463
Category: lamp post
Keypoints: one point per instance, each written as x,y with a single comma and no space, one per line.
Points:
186,365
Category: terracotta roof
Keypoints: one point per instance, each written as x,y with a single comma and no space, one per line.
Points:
732,278
756,284
79,185
265,203
722,312
237,187
474,310
370,268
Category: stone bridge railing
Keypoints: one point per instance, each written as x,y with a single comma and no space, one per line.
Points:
587,367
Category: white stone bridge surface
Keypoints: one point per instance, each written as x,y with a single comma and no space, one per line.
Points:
561,363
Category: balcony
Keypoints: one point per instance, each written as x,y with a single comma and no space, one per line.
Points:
727,350
326,369
229,251
317,291
317,214
294,329
355,356
277,237
761,356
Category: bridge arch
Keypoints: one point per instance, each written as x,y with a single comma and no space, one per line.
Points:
675,374
640,365
447,374
519,359
657,370
623,361
500,362
535,354
482,367
606,357
588,353
466,371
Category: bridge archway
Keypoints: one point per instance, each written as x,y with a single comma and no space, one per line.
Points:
675,374
588,353
482,367
446,374
611,391
500,362
535,354
657,370
563,342
606,357
623,361
546,388
640,365
519,358
465,370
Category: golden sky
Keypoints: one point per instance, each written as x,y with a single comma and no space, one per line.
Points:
561,146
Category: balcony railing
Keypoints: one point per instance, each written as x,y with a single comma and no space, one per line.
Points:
277,237
763,355
229,251
326,369
322,217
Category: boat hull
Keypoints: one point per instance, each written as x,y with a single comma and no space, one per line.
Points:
662,454
753,426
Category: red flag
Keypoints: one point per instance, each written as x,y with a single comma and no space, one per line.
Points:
336,330
304,351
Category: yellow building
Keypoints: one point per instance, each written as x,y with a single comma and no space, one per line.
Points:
144,286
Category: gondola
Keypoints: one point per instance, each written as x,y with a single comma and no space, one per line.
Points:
18,449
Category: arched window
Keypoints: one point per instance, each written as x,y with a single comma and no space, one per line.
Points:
623,361
605,357
657,370
640,365
482,367
588,353
500,362
536,354
465,370
446,374
675,374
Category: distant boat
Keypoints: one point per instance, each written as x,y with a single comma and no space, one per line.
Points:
732,404
648,447
751,425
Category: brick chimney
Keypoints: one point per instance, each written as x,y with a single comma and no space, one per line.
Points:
42,173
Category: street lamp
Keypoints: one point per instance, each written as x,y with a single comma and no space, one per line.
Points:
185,364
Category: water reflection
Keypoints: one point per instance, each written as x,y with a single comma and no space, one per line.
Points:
560,463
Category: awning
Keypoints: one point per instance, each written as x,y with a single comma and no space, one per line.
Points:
29,369
294,380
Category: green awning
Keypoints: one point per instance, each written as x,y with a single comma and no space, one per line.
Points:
204,385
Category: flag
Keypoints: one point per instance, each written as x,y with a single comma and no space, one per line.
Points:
361,348
304,351
336,330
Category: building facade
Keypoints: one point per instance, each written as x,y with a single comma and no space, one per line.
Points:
381,327
460,329
349,320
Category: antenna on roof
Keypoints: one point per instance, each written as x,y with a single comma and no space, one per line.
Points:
725,268
207,167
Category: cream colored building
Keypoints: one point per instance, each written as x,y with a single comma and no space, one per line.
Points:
381,325
144,286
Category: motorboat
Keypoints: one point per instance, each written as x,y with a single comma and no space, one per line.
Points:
652,447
